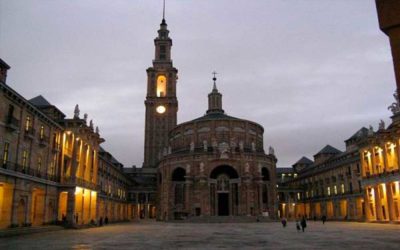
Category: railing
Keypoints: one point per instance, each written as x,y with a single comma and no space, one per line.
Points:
28,171
79,182
43,141
12,123
30,133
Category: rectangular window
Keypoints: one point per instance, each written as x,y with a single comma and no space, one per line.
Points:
335,189
41,132
10,113
39,164
298,196
342,188
328,191
24,159
5,153
28,123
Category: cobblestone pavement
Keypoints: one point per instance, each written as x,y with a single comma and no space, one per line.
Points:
159,235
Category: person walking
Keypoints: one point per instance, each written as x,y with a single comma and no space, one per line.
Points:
106,220
298,225
284,222
323,219
303,223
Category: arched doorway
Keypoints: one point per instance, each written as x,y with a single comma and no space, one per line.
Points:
265,190
178,185
224,197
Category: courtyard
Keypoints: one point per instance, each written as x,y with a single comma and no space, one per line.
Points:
159,235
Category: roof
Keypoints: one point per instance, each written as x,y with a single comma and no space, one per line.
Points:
304,160
284,170
362,132
328,149
4,64
216,116
40,101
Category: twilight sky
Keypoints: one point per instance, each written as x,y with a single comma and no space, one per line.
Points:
311,72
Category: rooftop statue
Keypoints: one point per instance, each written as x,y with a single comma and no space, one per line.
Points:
395,107
76,112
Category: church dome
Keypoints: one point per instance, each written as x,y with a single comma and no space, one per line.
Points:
215,130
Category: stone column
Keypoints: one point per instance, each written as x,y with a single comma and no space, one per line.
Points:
260,201
378,204
28,209
188,188
389,198
15,202
71,207
146,206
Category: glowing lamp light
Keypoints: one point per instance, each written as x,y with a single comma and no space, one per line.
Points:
161,109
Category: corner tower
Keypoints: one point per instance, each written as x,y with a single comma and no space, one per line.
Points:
161,102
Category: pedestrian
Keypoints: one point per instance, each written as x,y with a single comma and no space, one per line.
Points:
76,218
323,219
101,221
284,222
303,223
106,220
298,225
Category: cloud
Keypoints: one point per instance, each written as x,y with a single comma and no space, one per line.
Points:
310,72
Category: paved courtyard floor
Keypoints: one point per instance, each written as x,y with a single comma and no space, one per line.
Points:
159,235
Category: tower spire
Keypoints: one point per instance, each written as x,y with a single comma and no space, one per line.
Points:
215,82
215,98
163,11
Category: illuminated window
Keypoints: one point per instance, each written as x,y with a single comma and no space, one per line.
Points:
39,164
306,194
335,189
24,159
161,86
5,153
28,123
342,188
41,132
295,175
328,191
298,196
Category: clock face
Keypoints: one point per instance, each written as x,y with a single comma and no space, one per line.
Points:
161,109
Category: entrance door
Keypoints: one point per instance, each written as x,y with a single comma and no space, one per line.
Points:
223,204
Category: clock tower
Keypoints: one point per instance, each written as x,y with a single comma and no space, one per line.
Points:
161,102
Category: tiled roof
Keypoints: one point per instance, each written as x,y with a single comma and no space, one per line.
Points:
328,149
304,160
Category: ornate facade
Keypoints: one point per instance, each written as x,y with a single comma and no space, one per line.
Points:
49,170
328,186
215,165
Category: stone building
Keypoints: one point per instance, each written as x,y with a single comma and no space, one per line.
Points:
380,152
380,171
215,165
30,156
142,192
330,185
49,165
113,184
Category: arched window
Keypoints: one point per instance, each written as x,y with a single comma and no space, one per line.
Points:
161,86
178,177
179,174
265,174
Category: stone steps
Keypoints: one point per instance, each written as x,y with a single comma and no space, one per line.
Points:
28,230
224,219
